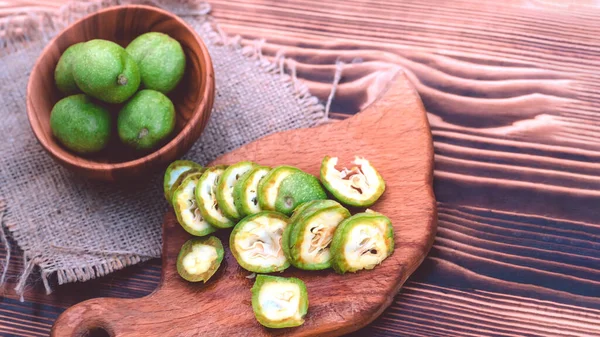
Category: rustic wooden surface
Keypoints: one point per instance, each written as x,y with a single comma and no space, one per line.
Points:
193,98
338,303
511,92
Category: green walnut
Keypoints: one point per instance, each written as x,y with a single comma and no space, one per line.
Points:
104,70
304,208
306,241
161,60
362,241
245,191
286,187
308,208
255,242
63,73
175,173
146,120
279,302
226,185
206,197
80,124
186,208
360,186
311,206
199,259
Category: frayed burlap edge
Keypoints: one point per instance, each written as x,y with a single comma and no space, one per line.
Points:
21,29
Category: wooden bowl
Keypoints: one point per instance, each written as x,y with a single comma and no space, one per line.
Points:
193,98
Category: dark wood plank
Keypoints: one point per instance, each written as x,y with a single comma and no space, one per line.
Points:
510,88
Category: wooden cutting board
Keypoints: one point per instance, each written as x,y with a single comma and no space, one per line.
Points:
393,133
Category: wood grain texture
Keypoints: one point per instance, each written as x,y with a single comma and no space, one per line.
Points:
511,93
338,303
193,98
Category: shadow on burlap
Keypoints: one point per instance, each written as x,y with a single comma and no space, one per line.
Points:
81,229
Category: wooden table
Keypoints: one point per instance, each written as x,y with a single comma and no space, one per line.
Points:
511,91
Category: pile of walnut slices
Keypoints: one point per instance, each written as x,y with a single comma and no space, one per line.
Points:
280,217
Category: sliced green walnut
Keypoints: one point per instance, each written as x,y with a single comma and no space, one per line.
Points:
255,242
228,180
304,208
308,242
175,173
297,189
186,208
362,241
245,191
269,186
359,186
183,176
286,187
200,258
309,207
206,197
279,302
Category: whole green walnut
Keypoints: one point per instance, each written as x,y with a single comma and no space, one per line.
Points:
161,60
104,70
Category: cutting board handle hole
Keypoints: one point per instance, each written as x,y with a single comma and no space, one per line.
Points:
96,332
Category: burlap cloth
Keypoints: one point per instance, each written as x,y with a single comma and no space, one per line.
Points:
81,229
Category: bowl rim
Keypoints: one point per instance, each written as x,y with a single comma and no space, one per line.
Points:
85,163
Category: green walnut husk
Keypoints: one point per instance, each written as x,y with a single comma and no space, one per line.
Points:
186,208
228,180
306,241
255,242
285,240
104,70
63,74
160,59
146,120
200,258
206,197
81,124
297,189
308,208
311,206
245,191
175,173
360,186
269,186
286,187
362,241
279,302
